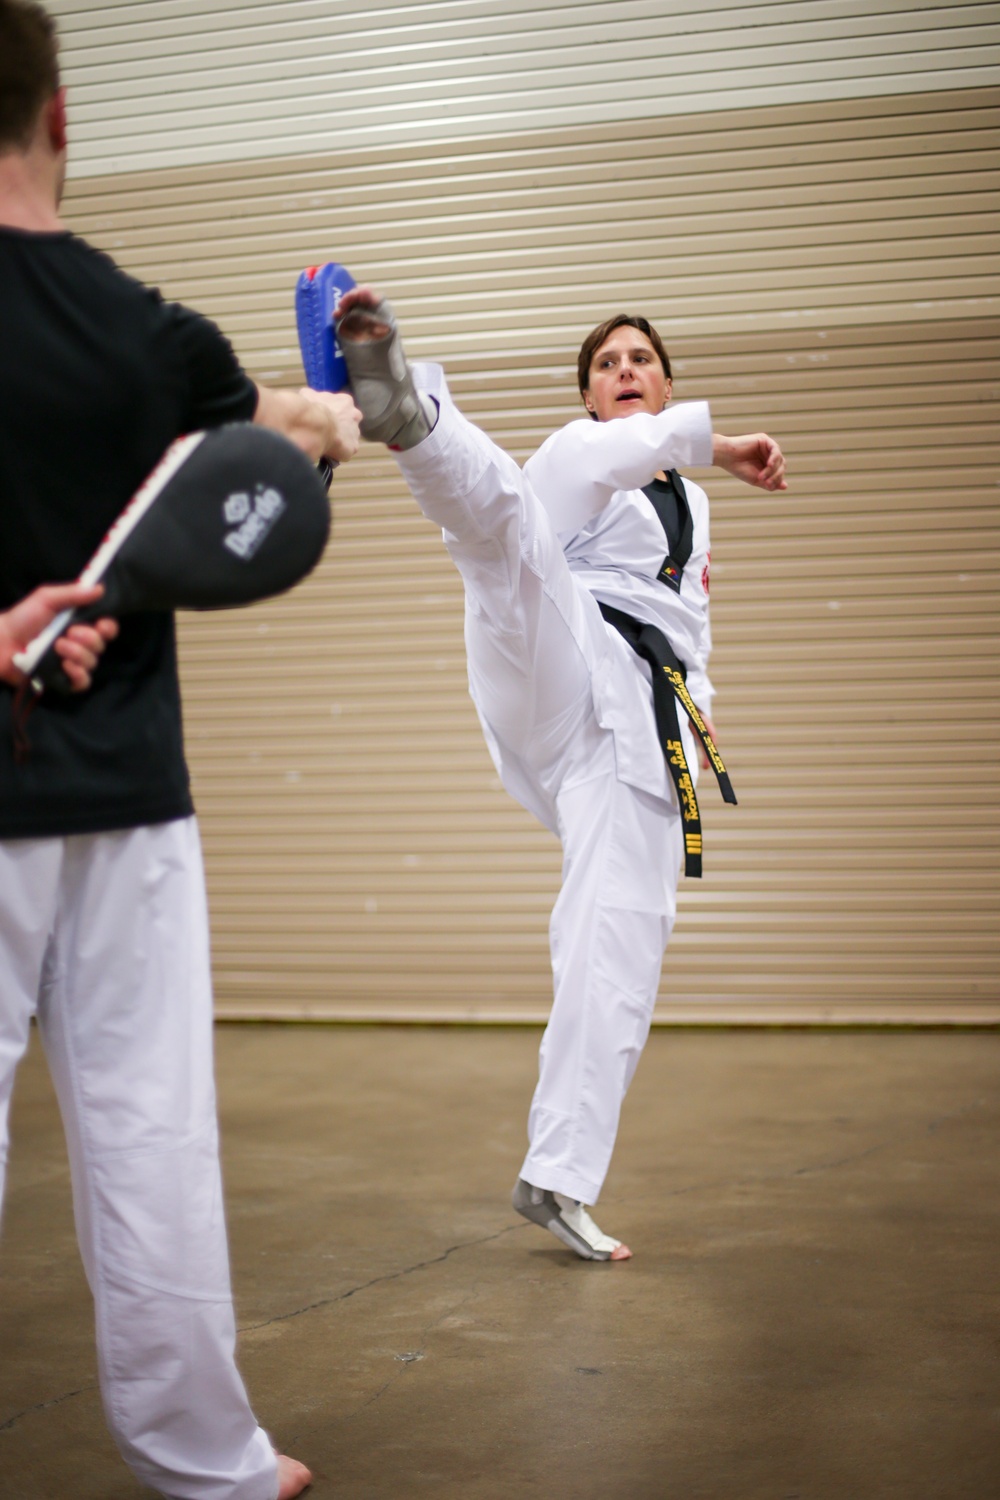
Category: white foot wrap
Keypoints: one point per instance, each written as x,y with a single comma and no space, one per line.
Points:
576,1216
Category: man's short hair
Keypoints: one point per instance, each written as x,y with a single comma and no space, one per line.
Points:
29,70
596,337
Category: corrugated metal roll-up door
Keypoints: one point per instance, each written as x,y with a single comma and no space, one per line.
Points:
823,270
179,82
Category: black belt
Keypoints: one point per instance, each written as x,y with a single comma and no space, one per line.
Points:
669,688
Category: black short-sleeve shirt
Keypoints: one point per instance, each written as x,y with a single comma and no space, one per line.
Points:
98,375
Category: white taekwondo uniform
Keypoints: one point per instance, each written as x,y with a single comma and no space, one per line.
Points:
566,708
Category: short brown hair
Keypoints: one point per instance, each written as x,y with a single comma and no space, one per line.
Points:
596,337
29,70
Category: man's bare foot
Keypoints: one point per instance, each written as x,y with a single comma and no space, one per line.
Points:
293,1477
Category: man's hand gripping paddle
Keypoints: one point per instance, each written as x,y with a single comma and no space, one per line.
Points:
226,517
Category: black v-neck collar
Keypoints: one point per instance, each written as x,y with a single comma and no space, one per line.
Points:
657,492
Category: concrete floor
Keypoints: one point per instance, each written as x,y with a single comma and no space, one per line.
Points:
812,1312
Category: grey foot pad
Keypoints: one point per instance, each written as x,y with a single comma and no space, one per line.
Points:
382,383
548,1214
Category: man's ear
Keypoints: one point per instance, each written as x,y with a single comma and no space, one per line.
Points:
55,120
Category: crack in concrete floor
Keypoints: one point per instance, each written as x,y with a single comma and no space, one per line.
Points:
364,1286
43,1405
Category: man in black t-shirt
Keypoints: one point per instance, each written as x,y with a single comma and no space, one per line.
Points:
103,917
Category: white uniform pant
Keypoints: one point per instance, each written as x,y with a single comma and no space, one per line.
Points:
622,846
106,937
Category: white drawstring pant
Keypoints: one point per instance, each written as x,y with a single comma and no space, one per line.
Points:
531,676
105,936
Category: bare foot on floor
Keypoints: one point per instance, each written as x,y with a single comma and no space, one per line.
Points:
293,1477
621,1252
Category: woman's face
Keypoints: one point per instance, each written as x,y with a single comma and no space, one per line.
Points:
625,377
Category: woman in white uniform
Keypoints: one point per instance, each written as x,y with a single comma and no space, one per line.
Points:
565,702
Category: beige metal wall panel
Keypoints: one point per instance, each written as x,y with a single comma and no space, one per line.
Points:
827,272
173,82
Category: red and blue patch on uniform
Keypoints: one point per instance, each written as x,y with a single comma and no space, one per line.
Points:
671,574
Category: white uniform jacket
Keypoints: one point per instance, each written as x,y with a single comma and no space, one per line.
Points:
588,478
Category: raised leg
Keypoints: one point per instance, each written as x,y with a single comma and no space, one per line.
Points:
533,633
